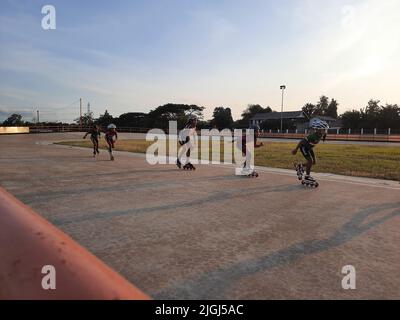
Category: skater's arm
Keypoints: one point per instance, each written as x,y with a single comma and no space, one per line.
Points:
257,145
84,137
299,145
257,139
314,160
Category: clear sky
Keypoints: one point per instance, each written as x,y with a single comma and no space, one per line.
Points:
131,56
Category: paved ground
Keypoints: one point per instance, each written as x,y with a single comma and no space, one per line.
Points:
210,234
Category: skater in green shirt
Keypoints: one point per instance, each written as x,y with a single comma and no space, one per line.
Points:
307,145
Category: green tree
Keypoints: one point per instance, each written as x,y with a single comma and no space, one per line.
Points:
202,124
14,120
309,110
160,117
322,106
105,119
371,114
250,112
352,119
87,119
131,119
331,111
389,117
222,118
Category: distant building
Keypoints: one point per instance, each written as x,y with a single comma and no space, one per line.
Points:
298,119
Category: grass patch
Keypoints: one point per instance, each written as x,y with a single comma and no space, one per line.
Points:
381,162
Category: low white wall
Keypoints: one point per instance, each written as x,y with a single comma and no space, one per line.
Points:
13,130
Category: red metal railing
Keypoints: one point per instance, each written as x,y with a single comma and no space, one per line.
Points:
28,243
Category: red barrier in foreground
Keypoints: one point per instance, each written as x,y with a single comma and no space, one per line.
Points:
28,243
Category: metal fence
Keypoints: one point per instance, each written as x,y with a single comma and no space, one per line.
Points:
60,129
372,135
342,131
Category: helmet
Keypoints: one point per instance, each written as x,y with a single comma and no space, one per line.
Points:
111,126
192,117
318,124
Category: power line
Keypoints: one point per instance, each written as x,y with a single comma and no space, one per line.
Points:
65,107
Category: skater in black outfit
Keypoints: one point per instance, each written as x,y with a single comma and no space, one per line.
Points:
247,170
186,140
306,147
95,134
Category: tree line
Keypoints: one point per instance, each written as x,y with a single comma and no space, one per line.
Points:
374,115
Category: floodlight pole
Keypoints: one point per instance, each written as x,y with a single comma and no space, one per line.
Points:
80,113
283,87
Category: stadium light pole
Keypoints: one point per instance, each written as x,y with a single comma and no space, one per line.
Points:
80,113
283,87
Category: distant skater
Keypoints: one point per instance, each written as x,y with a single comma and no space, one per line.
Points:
95,134
249,156
186,140
306,147
111,137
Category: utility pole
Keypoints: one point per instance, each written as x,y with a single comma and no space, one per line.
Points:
88,107
80,112
37,117
283,87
